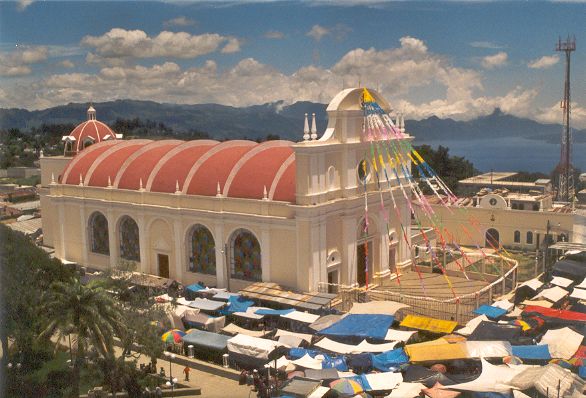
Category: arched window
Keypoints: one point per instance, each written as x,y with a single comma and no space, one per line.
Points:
492,238
562,237
202,255
98,231
87,142
529,237
129,239
245,251
517,237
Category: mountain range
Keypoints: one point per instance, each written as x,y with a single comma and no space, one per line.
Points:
277,118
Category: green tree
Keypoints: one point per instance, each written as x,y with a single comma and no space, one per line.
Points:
86,311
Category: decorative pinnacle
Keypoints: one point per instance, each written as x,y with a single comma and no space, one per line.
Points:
313,127
109,182
177,191
53,179
41,154
218,191
80,180
140,187
306,129
265,196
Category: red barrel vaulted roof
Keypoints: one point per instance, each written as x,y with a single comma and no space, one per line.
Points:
242,169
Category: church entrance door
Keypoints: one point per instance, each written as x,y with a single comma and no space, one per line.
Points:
163,261
361,266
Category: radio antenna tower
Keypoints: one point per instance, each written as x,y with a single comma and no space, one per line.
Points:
565,169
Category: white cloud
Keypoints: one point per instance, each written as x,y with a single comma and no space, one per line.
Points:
495,61
317,32
179,21
338,32
121,43
274,34
232,46
547,61
22,4
402,73
553,114
67,64
486,44
15,63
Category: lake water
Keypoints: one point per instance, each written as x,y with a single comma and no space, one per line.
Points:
511,154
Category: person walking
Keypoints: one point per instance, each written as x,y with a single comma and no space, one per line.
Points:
186,371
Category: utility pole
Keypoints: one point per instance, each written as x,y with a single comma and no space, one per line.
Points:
547,266
566,172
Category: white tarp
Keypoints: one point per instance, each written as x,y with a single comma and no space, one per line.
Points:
377,307
319,392
563,282
472,325
399,335
548,378
251,346
365,346
308,362
488,349
504,304
579,294
563,343
553,294
406,390
519,394
334,346
383,381
299,316
534,284
235,329
302,336
290,341
539,303
282,362
492,379
582,284
183,301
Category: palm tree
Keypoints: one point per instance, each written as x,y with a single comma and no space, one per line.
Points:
87,311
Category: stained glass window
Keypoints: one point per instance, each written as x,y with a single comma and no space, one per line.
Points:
246,256
202,257
129,242
99,239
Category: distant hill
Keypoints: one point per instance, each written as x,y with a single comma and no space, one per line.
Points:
286,121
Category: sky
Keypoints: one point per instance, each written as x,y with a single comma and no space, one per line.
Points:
444,58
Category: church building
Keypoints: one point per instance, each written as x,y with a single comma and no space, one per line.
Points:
226,213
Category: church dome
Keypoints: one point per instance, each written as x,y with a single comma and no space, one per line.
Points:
88,133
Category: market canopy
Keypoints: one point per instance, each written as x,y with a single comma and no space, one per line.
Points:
360,325
540,351
251,346
492,379
273,293
207,340
563,343
377,307
487,331
206,305
490,311
235,329
304,317
553,313
429,324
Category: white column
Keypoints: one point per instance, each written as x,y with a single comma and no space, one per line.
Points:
61,251
179,252
112,238
349,249
323,255
265,253
315,257
84,233
221,266
143,238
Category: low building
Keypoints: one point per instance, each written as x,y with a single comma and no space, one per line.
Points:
511,219
502,180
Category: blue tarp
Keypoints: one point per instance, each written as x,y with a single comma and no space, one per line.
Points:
269,311
236,304
338,363
196,287
296,353
490,311
389,360
582,372
531,351
360,325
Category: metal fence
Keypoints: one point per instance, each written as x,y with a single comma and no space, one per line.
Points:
458,309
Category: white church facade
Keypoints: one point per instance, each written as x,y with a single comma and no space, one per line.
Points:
227,213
